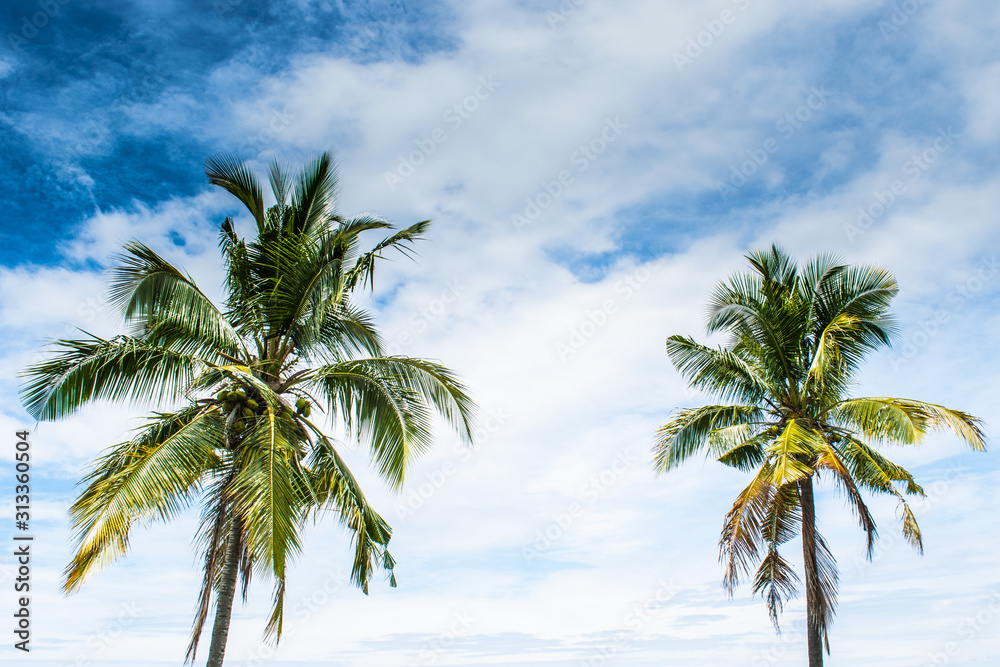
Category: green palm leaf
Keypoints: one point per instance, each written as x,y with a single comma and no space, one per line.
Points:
153,476
123,368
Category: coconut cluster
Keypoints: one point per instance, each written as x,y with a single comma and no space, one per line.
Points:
303,407
243,408
240,408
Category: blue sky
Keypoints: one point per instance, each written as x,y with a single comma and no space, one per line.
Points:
572,154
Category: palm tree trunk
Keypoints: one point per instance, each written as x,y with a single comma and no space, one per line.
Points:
224,600
813,621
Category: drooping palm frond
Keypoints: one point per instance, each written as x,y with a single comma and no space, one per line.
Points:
385,403
870,470
775,579
153,476
743,528
336,487
438,387
825,594
212,538
270,501
155,296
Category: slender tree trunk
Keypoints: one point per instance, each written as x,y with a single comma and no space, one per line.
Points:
813,621
224,600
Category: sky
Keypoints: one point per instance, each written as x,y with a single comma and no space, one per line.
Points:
592,169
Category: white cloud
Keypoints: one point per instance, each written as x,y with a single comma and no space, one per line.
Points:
565,415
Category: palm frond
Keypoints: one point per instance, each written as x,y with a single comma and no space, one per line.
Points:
268,498
719,371
214,541
314,195
150,477
826,593
231,173
123,368
363,271
776,581
905,420
829,459
280,184
742,530
792,450
692,429
147,288
379,409
337,488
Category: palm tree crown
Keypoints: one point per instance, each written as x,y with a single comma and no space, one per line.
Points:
240,382
797,340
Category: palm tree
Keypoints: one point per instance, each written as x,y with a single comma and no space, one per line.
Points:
797,339
240,383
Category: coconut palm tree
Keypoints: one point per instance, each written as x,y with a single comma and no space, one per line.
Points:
797,338
239,384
